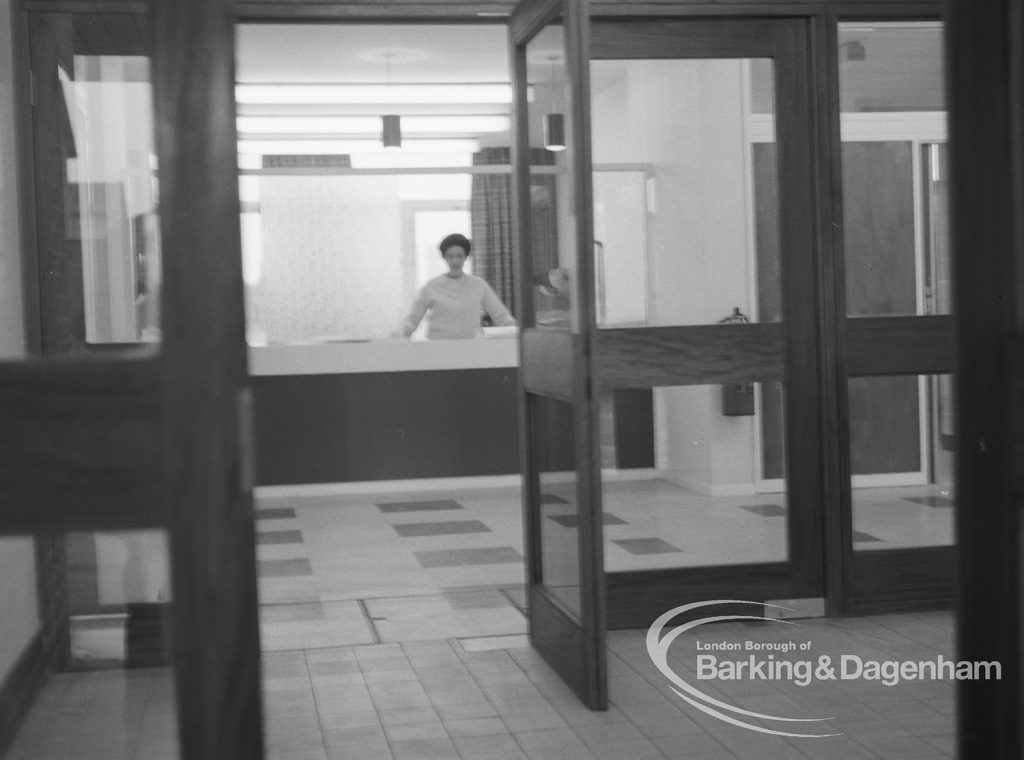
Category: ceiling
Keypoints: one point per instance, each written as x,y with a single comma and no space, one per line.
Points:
365,54
357,53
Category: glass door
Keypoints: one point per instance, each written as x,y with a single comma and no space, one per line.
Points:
723,337
558,402
899,323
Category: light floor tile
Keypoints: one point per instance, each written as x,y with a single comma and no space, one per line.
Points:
392,660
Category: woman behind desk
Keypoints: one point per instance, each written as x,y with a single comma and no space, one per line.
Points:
454,301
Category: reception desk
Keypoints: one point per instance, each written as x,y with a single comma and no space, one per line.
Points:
342,412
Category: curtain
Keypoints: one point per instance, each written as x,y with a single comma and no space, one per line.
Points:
490,209
491,223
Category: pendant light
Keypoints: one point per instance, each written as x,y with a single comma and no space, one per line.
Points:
391,124
554,123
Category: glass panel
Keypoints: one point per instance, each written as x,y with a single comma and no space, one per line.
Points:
891,67
555,447
119,591
341,257
552,159
688,229
102,278
895,205
116,695
901,448
341,218
719,497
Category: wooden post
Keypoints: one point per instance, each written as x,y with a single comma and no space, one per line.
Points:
986,49
205,409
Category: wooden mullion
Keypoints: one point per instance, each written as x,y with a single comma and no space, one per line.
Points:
81,445
805,391
56,259
593,611
689,355
530,16
985,61
837,533
685,38
207,440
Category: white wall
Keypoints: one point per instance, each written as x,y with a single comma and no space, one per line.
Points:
686,118
19,620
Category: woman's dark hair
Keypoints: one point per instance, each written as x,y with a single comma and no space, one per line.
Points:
455,239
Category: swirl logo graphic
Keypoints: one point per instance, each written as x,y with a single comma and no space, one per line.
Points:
658,646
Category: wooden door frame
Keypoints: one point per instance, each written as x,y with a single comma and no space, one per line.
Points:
864,582
576,649
160,437
700,355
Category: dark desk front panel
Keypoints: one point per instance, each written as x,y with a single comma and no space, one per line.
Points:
396,425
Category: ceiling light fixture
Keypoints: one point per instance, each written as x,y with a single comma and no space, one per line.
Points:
554,123
391,124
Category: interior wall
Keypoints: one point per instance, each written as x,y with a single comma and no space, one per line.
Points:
332,257
20,620
686,119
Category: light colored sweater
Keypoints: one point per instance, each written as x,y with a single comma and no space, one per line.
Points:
455,305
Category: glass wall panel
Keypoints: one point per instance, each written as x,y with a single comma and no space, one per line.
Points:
552,158
719,496
901,445
687,226
555,451
96,196
118,698
341,256
342,217
895,205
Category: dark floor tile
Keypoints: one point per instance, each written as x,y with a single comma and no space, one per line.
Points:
491,555
418,506
274,513
860,536
646,546
450,528
550,498
279,537
291,613
573,521
941,502
280,568
766,510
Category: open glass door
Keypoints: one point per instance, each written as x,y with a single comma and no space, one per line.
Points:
724,335
560,449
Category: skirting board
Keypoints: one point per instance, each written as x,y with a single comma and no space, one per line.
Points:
19,689
427,485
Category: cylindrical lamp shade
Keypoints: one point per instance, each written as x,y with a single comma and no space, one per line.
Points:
554,131
391,134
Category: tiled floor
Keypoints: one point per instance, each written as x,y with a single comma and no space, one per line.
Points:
392,628
495,699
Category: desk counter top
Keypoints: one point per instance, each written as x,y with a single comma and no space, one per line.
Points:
351,357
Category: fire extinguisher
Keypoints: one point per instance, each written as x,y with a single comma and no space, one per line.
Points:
737,398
